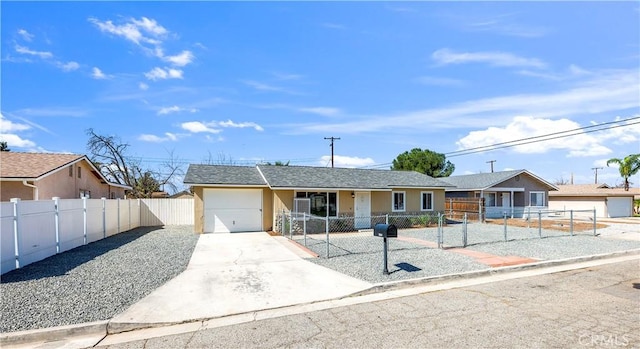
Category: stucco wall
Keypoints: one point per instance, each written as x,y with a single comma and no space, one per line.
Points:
10,189
198,209
61,184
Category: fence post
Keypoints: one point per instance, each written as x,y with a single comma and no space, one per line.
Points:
439,237
480,219
529,217
540,224
326,228
594,222
104,217
17,244
450,206
290,226
84,220
118,215
304,227
464,230
129,205
386,218
571,222
56,201
504,213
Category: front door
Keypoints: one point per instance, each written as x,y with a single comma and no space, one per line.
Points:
362,210
506,200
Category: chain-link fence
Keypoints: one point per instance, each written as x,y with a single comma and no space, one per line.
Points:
338,236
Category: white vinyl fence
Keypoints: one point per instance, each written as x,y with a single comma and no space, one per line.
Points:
34,230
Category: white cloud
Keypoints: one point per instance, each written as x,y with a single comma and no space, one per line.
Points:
324,111
26,36
69,66
581,144
502,59
437,81
199,127
9,126
156,139
605,91
133,29
15,141
143,86
260,86
98,74
346,161
230,123
180,60
26,51
215,126
158,73
175,109
8,129
286,76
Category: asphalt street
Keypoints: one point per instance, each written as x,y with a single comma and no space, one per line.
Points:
595,307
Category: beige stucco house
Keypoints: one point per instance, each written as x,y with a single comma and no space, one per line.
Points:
608,202
241,198
42,176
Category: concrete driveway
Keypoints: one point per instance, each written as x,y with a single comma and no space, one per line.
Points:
233,274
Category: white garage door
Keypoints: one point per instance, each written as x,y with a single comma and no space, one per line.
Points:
232,210
619,207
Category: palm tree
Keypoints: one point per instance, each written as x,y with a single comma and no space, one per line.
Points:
628,166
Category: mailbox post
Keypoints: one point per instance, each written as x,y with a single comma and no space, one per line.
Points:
385,231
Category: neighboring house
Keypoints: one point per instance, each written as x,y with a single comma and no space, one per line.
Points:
608,202
42,176
185,194
515,193
240,198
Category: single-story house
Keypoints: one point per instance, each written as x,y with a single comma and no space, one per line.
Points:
185,194
241,198
42,176
608,202
515,192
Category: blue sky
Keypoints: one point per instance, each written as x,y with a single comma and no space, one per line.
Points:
267,81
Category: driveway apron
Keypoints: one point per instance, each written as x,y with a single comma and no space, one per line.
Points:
233,274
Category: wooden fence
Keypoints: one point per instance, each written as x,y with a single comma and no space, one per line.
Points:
455,208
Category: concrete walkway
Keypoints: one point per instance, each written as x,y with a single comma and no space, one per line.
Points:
234,274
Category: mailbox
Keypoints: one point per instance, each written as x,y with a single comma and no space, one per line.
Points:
385,230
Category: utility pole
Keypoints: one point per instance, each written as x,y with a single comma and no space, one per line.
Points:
491,162
596,169
331,145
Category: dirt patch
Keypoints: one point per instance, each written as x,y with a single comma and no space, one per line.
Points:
273,233
555,224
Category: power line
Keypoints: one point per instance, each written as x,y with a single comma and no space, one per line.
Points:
533,139
331,145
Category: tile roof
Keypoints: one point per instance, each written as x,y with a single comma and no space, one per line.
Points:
33,165
309,177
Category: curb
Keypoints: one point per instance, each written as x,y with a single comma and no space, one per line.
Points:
105,327
54,333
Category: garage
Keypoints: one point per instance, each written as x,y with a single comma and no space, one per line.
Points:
619,207
232,210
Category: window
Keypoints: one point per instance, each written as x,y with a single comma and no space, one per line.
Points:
536,198
85,194
426,201
490,199
321,204
79,172
71,171
113,195
397,201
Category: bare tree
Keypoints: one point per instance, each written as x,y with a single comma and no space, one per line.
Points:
561,181
109,155
222,159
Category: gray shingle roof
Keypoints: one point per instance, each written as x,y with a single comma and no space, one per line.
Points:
309,177
480,180
223,175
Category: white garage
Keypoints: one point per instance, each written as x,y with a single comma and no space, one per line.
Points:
608,202
232,210
619,206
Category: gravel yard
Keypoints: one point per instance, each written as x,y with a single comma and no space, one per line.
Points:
360,254
96,281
